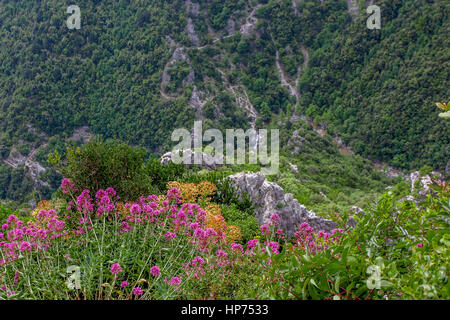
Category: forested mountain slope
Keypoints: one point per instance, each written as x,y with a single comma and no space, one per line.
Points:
136,70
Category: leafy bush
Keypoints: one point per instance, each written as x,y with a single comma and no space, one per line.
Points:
227,194
5,212
245,220
396,251
99,164
162,174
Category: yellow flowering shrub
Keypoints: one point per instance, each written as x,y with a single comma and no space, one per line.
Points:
192,192
212,208
189,191
42,205
206,190
216,222
233,234
201,193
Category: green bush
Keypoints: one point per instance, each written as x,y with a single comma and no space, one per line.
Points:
398,250
245,220
99,165
5,213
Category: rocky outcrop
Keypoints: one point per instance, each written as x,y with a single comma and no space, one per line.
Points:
420,185
297,141
192,35
82,134
178,55
269,198
294,167
425,182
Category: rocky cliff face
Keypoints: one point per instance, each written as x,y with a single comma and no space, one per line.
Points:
269,198
425,182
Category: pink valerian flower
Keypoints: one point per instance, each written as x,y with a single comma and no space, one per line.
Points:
198,261
67,186
155,271
275,246
236,247
170,235
125,227
124,284
222,258
194,225
265,230
137,291
221,253
5,226
175,281
210,233
11,219
84,201
275,219
419,245
135,208
116,268
110,191
252,243
180,218
337,231
25,246
174,194
199,233
280,233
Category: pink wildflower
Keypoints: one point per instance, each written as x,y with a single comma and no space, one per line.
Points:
170,235
115,268
138,291
155,271
275,219
175,281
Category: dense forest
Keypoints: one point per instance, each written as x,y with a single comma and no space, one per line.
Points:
136,70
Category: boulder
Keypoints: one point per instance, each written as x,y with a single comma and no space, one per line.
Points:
269,198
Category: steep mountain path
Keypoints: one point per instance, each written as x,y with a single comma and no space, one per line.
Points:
284,81
34,167
250,22
241,98
239,91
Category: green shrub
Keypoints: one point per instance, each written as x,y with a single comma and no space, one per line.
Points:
398,250
245,220
99,165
